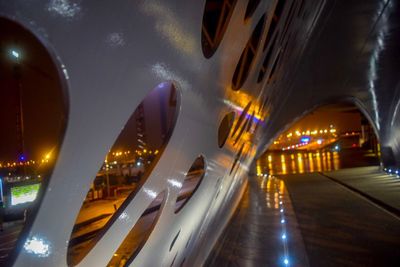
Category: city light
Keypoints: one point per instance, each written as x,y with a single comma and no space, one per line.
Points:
21,158
1,189
286,261
37,246
15,54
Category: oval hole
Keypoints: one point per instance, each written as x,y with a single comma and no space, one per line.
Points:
139,234
241,118
225,128
266,61
174,240
33,118
173,261
246,59
272,75
191,183
187,243
246,125
251,7
215,21
280,5
125,168
237,157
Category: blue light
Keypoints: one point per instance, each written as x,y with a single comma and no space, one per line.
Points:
281,210
305,139
283,221
397,171
286,261
284,236
390,170
1,189
15,54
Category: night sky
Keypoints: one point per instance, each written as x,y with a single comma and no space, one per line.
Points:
344,117
42,97
44,105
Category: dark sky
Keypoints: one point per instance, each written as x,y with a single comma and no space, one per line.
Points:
43,104
44,107
345,117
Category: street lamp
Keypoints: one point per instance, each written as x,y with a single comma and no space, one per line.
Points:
15,54
107,177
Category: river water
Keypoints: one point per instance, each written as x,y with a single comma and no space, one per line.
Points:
292,162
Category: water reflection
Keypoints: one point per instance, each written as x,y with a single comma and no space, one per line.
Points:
313,161
298,162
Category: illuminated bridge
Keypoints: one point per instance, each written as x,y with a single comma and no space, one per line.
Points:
199,133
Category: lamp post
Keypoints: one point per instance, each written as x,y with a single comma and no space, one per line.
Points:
16,57
107,178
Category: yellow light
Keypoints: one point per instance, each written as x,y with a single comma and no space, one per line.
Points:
47,156
156,152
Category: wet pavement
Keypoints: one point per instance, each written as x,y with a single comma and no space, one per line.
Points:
263,231
341,227
346,217
379,187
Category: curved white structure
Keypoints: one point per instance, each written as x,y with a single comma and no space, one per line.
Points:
109,56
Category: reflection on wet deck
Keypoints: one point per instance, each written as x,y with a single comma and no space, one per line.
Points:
298,162
263,231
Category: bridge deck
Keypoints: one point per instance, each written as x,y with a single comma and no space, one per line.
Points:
338,217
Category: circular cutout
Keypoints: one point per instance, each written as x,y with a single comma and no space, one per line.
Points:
241,118
173,260
191,183
246,59
139,234
266,61
33,118
174,240
237,158
279,7
126,168
215,21
225,128
251,8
